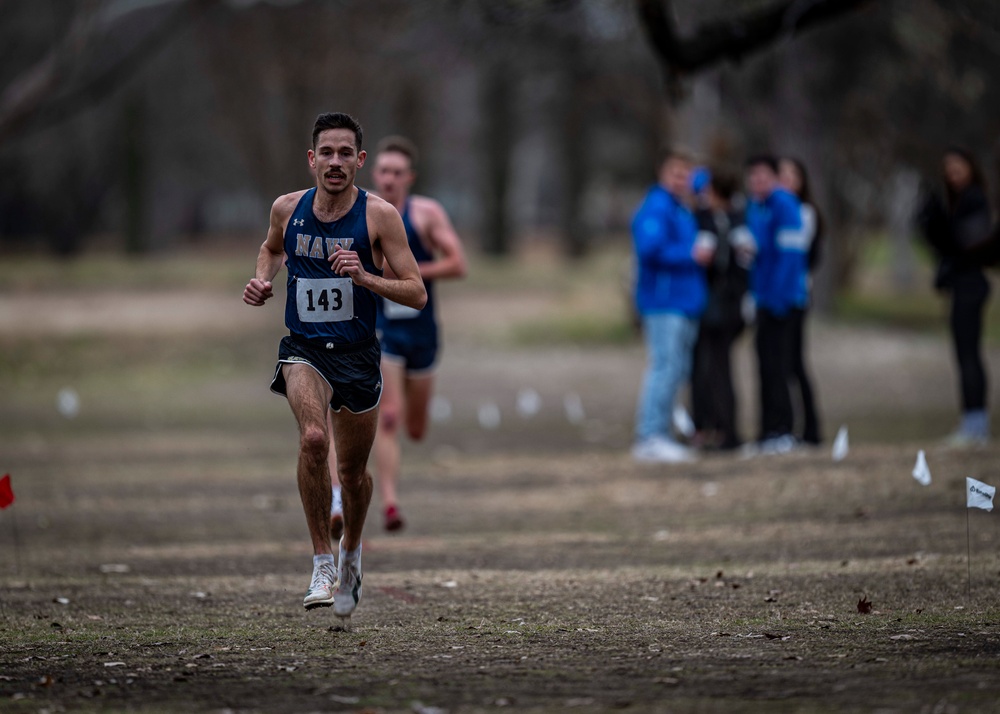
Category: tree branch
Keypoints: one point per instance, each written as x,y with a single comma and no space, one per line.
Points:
33,100
734,38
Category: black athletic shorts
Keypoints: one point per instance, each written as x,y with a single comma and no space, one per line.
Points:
351,370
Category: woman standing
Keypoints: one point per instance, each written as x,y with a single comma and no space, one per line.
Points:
793,177
957,227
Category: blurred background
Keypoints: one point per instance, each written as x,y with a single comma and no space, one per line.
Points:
143,141
144,126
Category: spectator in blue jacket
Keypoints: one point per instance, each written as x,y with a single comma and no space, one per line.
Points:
670,296
778,282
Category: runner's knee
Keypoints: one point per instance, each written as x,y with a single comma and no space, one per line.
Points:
315,441
351,477
388,419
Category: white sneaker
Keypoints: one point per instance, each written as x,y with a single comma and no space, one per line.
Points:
784,444
348,590
321,589
964,440
658,450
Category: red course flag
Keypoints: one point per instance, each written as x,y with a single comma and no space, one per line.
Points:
6,492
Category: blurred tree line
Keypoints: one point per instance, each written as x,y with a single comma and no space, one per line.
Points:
152,123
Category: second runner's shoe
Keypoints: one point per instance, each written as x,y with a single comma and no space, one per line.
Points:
347,594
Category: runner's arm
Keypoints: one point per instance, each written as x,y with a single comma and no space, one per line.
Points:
271,255
386,228
449,261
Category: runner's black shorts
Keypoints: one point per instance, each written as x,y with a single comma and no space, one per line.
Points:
352,370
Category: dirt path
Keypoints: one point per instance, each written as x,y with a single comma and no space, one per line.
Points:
162,556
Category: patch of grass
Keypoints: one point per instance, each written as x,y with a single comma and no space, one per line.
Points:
923,312
919,312
110,272
575,329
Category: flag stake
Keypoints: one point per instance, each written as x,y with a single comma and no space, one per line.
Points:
968,548
17,543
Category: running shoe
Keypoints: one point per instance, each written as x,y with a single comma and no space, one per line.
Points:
658,450
347,593
393,519
321,591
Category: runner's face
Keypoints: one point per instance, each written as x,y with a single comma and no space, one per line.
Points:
761,181
336,160
393,175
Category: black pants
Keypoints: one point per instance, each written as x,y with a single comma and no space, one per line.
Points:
774,352
713,400
969,293
801,384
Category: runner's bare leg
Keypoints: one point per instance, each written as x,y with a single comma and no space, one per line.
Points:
309,398
353,435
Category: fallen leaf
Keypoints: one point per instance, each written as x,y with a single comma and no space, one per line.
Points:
115,568
344,700
864,605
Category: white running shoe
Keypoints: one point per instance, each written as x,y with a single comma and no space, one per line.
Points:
348,590
321,589
777,445
658,450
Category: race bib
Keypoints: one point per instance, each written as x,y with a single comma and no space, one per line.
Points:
395,311
324,299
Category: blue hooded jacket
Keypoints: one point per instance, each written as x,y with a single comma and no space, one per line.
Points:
779,279
669,279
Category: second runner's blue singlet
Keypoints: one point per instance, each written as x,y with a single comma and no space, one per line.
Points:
321,304
400,318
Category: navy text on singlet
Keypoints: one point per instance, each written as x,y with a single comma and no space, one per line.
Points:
321,304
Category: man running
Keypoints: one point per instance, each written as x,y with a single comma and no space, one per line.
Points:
409,337
334,239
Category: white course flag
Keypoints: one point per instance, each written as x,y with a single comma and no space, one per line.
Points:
840,445
921,472
978,494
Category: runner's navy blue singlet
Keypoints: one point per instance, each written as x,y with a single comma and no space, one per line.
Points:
406,320
321,304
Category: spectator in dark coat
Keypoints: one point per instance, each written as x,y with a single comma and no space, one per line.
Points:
713,399
957,225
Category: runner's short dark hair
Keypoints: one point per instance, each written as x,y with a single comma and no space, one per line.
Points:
337,120
769,160
400,145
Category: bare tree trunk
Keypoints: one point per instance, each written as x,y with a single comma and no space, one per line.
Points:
134,174
904,190
570,144
497,124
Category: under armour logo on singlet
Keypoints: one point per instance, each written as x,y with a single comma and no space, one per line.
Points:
299,222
